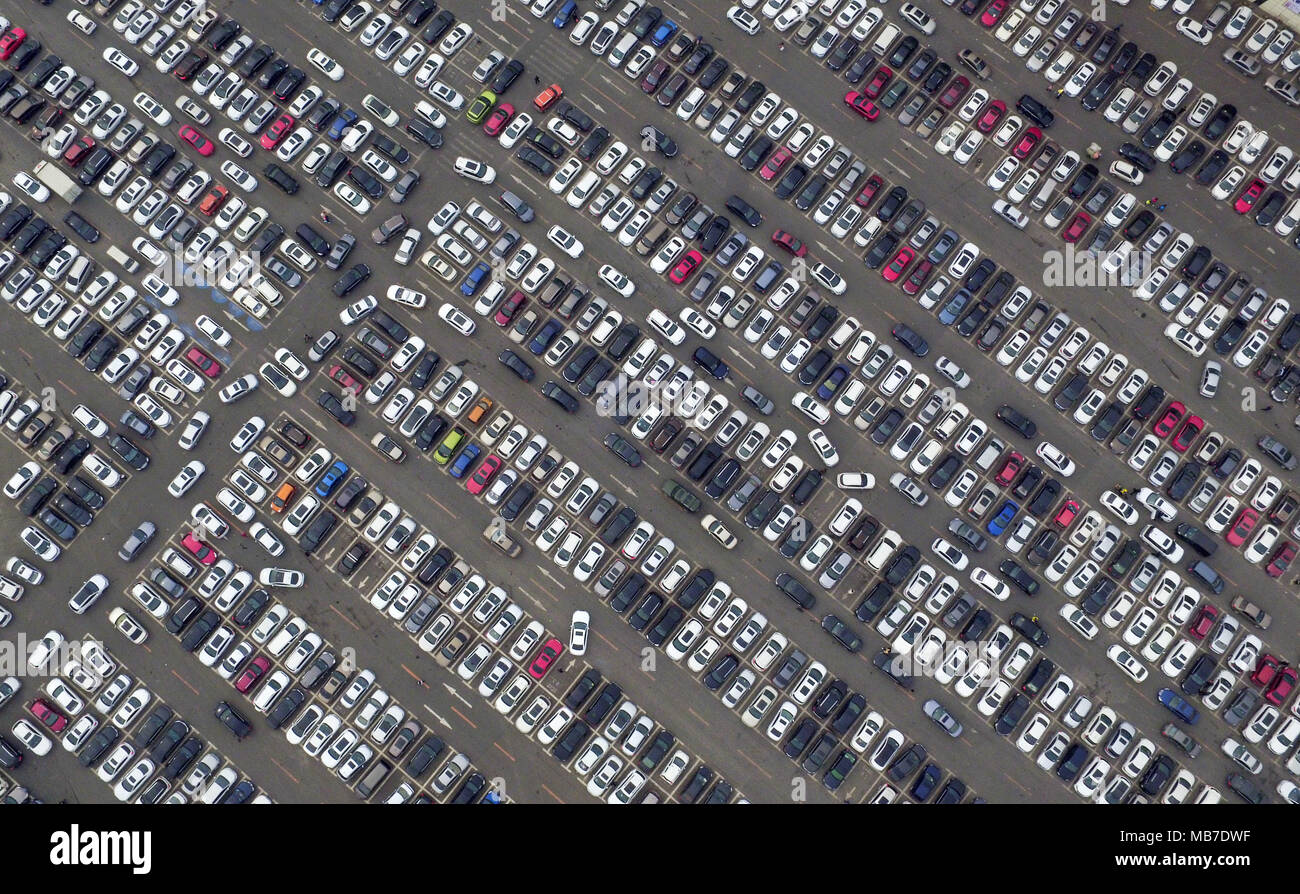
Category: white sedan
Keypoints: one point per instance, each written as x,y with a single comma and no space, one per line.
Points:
326,64
570,244
31,187
121,61
810,407
409,297
617,280
456,318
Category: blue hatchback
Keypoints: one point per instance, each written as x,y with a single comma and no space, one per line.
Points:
567,13
342,122
462,463
998,523
332,479
664,33
469,288
826,390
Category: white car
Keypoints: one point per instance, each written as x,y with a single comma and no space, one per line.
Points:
1055,458
31,187
121,61
456,319
473,169
325,64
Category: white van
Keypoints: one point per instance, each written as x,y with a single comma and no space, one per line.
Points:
885,39
621,50
123,260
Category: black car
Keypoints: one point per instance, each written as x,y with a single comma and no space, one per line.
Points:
353,277
910,339
1014,419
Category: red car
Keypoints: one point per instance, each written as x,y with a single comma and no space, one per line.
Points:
877,85
551,650
1172,416
1203,623
1029,141
993,113
894,269
916,282
499,118
77,152
685,267
1066,515
200,550
993,12
277,131
1266,669
1281,560
548,97
483,475
1249,196
511,306
50,718
10,42
1283,683
775,163
256,668
203,363
869,189
956,90
790,243
343,377
198,140
860,104
1011,468
1241,528
1187,434
1077,227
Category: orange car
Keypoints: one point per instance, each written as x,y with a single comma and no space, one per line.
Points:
548,97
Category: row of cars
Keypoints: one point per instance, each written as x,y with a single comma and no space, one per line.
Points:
133,741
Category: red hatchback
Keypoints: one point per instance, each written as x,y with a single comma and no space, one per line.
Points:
1029,141
895,268
1077,227
873,185
10,42
499,118
1249,196
685,267
993,12
1266,669
343,377
277,132
201,143
774,164
77,152
863,106
1011,468
203,362
1242,527
1187,434
1281,560
993,113
790,243
548,97
877,85
551,650
200,550
1283,683
511,306
483,475
1172,416
1069,509
1203,623
919,275
254,672
956,90
49,718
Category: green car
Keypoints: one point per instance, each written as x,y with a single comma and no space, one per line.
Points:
678,493
479,108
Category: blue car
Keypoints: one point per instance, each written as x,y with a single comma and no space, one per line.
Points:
342,121
998,523
826,390
469,288
567,13
664,33
462,463
1179,706
952,310
542,340
332,479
